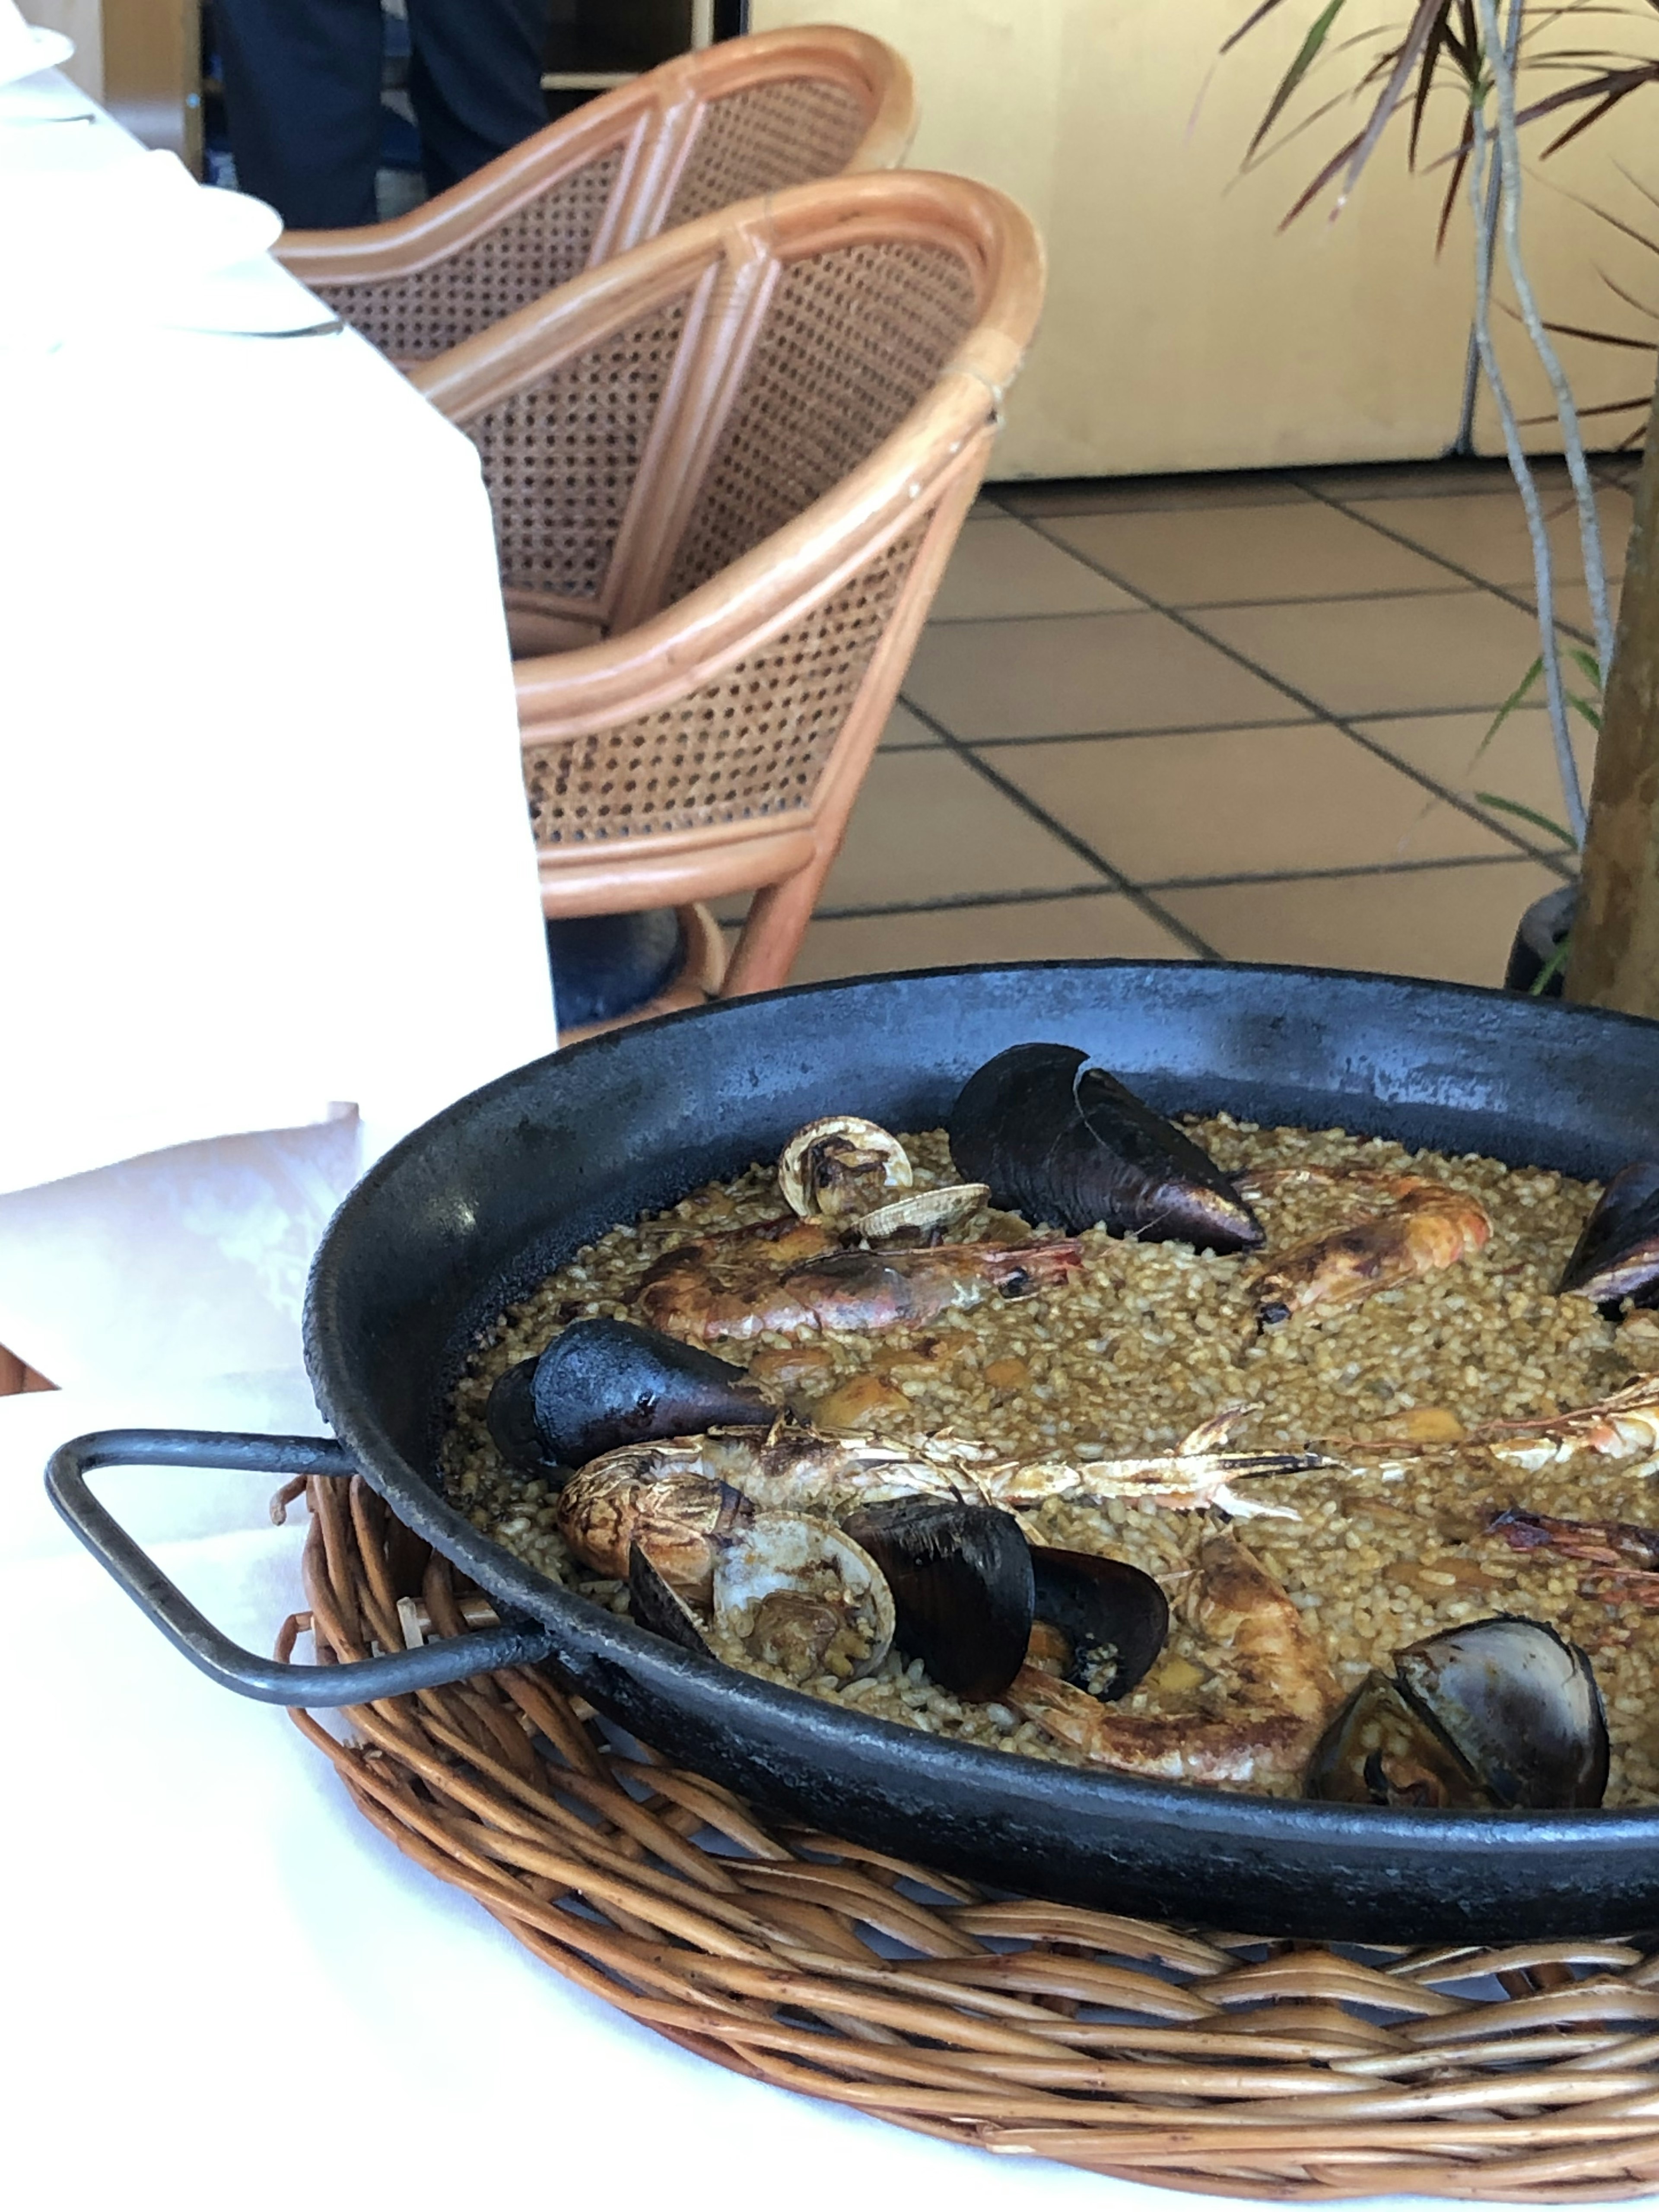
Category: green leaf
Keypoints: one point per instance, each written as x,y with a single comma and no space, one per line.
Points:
1307,54
1526,813
1551,969
1517,698
1587,665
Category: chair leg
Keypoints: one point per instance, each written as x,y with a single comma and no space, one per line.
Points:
778,915
15,1377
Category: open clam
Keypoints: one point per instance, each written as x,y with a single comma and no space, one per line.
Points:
1062,1141
841,1168
796,1593
1617,1255
1500,1713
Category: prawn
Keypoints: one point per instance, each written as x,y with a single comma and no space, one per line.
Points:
1286,1691
1428,1226
791,1276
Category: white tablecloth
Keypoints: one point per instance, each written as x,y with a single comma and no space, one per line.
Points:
222,1983
265,865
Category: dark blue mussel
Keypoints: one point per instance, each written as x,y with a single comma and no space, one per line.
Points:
1062,1141
605,1383
962,1591
973,1601
1502,1712
1099,1621
1617,1255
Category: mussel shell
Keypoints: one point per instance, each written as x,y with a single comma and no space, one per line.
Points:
1380,1751
962,1585
510,1418
605,1383
1617,1255
1520,1706
655,1604
1100,1606
1061,1141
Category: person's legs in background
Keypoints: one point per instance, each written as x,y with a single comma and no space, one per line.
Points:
302,103
474,80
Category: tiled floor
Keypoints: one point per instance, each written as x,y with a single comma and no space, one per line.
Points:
1235,716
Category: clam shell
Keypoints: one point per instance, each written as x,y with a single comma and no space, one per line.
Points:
926,1210
798,1592
839,1166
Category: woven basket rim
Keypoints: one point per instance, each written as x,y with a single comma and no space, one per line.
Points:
1192,2059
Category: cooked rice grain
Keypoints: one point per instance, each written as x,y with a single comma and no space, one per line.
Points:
1149,1340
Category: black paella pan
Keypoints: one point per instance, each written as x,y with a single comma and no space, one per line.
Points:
469,1212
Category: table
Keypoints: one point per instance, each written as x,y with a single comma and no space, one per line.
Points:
267,882
236,1989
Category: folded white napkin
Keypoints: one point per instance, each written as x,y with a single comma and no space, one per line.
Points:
23,49
132,240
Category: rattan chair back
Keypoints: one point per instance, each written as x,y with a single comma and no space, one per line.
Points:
727,470
732,121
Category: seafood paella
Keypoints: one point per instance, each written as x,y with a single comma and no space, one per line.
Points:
1269,1458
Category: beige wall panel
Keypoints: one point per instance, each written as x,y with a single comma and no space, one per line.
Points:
82,21
1182,331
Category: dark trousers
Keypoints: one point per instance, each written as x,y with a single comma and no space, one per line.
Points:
302,96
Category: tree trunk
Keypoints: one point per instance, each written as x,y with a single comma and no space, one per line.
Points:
1615,938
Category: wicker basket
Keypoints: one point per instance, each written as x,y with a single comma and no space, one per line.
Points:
1197,2059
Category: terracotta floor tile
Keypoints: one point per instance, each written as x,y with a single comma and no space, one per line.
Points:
1234,803
927,827
1518,763
1455,923
1062,679
905,730
1001,567
1109,928
1486,532
1190,558
1573,618
1137,495
1462,648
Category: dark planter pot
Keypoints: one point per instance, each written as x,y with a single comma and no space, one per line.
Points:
607,965
1538,939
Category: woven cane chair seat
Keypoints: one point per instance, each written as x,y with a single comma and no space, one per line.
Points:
727,470
733,121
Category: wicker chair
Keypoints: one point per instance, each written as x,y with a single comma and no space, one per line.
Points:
727,470
749,116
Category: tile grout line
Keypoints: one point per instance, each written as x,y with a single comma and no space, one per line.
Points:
1509,595
1204,606
1303,699
1079,847
967,901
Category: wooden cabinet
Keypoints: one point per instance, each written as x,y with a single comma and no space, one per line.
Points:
143,59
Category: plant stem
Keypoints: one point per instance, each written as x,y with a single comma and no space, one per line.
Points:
1487,151
1590,526
1464,441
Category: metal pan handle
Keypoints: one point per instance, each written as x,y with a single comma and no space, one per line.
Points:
355,1682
